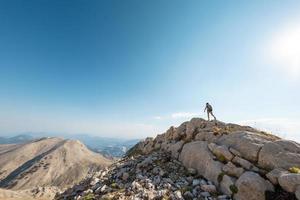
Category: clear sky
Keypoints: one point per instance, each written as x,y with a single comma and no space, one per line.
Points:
132,68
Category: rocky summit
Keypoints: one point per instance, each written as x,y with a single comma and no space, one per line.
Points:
200,160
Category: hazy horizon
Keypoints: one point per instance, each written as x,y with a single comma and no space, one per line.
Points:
132,69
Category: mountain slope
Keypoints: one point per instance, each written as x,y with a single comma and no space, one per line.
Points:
47,162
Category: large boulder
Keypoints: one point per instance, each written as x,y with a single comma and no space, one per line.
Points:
247,143
251,186
279,154
289,182
197,155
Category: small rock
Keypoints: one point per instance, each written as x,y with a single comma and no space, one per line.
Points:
125,176
205,194
196,182
188,195
178,194
209,188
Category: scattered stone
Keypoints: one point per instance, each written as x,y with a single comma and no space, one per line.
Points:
209,188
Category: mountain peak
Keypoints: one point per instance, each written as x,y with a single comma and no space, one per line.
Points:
201,160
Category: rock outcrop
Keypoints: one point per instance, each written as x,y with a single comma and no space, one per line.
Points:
201,160
243,162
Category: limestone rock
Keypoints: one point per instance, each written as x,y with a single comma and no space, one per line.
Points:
192,126
226,183
251,186
247,143
180,132
221,152
233,170
242,162
289,182
197,155
175,149
275,174
209,188
297,193
280,154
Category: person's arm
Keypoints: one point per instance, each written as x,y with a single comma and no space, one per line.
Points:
205,108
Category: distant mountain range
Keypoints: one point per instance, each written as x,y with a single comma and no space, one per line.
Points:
109,147
16,139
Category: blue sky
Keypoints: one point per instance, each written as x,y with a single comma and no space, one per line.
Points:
132,68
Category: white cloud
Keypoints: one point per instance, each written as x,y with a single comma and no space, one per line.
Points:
284,49
180,115
283,127
176,115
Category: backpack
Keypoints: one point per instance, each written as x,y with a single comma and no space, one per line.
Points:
209,108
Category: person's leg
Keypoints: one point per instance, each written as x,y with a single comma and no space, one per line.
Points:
207,115
213,115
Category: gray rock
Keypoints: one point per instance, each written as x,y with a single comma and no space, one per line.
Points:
251,186
289,181
197,155
247,143
280,154
233,170
275,174
175,149
297,193
196,182
205,194
242,162
209,188
221,152
178,194
225,184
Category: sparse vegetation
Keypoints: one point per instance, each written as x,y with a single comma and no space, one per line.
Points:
89,197
295,170
220,176
233,189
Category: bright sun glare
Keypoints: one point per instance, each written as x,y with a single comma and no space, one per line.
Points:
285,50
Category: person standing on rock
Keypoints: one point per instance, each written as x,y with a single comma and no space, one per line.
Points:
209,110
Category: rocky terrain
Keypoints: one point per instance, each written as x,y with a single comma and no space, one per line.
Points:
200,160
43,167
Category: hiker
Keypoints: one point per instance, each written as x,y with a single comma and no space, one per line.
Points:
209,110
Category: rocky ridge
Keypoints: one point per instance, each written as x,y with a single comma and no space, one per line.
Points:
201,160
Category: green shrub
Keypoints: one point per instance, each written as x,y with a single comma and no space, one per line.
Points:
233,189
89,197
220,176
